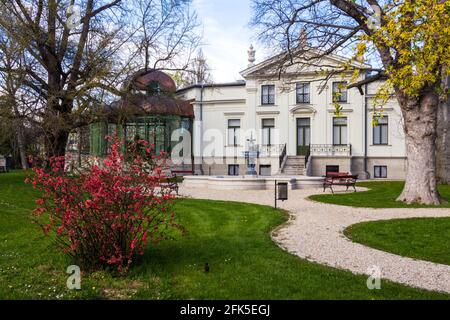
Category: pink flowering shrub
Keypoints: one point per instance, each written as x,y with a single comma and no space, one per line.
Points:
105,216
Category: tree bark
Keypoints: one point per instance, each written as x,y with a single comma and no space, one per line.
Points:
443,137
56,144
420,126
21,146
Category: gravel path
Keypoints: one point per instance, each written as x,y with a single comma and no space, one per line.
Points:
315,232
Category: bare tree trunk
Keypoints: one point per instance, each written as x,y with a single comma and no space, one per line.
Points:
420,122
22,147
55,146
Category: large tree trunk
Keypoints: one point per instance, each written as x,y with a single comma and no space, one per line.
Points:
420,120
55,146
22,147
443,139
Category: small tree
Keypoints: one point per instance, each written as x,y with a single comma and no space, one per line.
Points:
104,217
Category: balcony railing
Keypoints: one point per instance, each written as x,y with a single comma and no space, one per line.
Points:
329,150
260,151
274,150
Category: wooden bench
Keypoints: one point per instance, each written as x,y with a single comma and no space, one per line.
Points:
339,179
172,179
182,172
171,183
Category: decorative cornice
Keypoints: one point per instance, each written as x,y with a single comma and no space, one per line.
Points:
267,112
381,109
303,110
234,113
231,101
343,110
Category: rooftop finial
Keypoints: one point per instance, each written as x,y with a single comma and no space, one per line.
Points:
303,38
251,56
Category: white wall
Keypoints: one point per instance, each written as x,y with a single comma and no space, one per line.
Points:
244,103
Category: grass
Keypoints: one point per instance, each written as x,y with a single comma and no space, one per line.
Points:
232,237
420,238
382,194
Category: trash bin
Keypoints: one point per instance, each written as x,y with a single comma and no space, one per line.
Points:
8,163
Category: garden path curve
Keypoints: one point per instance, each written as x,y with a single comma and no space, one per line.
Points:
315,233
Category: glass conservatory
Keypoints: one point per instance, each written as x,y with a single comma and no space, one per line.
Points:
149,110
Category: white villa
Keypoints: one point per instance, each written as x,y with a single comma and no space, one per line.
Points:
291,119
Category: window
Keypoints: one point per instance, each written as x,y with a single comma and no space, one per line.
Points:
380,172
339,91
154,88
302,92
268,128
234,127
381,131
265,170
331,169
268,94
340,131
233,169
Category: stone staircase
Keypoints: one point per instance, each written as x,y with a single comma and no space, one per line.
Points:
294,166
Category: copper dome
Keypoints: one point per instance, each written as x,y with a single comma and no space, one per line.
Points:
144,79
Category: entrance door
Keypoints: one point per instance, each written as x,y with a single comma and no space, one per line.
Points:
303,136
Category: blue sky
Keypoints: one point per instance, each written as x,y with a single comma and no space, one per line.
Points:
226,36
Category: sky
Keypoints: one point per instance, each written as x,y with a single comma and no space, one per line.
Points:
226,36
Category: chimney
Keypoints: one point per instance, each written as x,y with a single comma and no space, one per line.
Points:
251,56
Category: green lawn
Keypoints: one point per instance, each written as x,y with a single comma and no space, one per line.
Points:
420,238
232,237
382,194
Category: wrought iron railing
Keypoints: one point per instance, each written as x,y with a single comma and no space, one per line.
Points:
282,155
307,155
273,150
331,150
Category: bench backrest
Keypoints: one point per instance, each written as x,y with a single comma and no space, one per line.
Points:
182,172
336,174
340,177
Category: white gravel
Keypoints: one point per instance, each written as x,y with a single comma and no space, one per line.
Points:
315,232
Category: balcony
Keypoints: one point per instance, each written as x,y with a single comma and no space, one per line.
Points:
263,151
329,150
274,150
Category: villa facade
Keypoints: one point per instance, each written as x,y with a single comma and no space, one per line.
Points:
290,117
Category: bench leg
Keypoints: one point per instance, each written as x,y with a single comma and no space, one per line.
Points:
354,188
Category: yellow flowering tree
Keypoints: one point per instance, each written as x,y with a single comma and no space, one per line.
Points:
409,43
